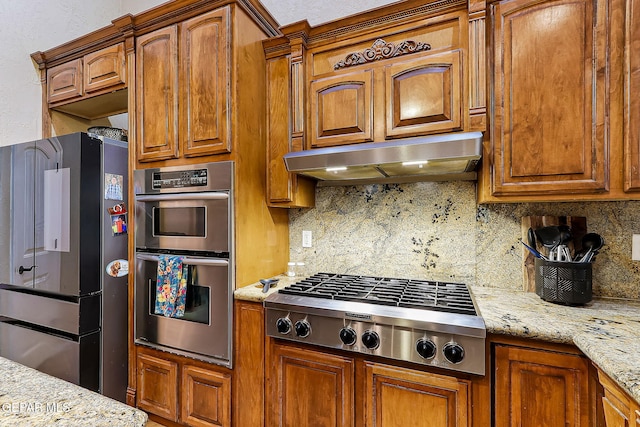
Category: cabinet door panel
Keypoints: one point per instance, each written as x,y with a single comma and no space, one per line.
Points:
64,81
310,389
550,132
425,95
540,388
206,397
631,98
204,73
341,109
157,386
612,415
105,68
397,397
156,95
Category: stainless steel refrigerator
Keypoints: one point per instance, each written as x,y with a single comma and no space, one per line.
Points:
63,259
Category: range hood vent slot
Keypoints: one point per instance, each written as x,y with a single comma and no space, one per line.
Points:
446,157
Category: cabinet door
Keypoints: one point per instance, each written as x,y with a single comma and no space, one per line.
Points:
631,98
105,69
206,397
618,408
424,96
341,109
205,113
158,386
398,397
310,389
536,388
550,131
157,95
64,81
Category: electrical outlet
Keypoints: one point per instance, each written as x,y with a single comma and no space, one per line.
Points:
306,238
635,247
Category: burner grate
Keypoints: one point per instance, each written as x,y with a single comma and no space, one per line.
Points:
410,293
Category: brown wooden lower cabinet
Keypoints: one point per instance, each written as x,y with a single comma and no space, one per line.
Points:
313,388
400,397
183,391
540,388
618,408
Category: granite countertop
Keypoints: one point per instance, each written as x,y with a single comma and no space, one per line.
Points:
29,398
605,330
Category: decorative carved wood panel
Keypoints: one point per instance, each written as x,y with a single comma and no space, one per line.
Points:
550,96
424,95
157,95
341,109
64,81
106,68
205,97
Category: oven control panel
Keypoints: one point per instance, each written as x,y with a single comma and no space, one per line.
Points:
179,179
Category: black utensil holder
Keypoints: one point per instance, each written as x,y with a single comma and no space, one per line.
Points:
563,282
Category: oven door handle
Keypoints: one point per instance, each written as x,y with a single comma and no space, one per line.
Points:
187,260
185,196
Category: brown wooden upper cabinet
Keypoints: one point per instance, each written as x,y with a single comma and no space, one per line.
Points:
394,72
183,89
93,74
556,100
631,99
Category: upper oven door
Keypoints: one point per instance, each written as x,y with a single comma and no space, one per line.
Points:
187,221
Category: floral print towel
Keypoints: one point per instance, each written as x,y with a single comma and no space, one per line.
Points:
171,288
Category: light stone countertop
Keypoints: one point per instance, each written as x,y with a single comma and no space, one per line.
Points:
29,398
606,330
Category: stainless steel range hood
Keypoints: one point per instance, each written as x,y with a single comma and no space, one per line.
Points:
446,157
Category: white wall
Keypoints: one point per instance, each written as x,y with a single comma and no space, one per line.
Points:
27,26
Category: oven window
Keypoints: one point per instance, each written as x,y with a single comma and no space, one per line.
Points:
196,307
187,222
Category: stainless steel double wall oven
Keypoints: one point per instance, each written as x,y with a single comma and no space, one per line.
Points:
187,211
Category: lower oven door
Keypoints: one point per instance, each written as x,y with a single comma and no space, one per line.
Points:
205,329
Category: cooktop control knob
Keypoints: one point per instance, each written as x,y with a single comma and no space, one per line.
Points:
453,352
426,348
371,339
283,325
348,336
303,329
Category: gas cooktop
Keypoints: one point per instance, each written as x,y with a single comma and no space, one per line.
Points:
420,321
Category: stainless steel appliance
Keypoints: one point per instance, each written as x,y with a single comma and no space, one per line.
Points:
187,211
419,321
63,298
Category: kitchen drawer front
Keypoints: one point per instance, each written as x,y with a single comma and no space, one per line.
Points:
75,318
76,361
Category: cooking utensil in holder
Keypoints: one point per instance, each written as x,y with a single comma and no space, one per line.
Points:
563,282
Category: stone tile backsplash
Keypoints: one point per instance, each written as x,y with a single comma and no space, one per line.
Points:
436,231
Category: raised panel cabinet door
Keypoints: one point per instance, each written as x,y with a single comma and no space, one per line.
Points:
157,95
536,388
158,386
631,98
399,397
105,68
64,81
341,109
205,58
310,389
424,96
550,95
206,397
